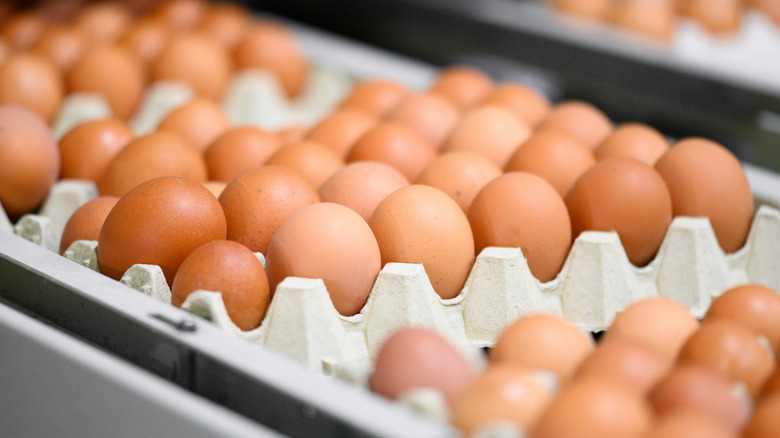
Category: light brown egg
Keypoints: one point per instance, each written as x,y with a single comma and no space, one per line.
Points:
33,82
659,323
161,153
55,10
633,140
581,120
769,7
414,358
376,97
626,361
197,59
341,130
689,424
556,157
361,186
331,242
226,22
653,19
238,150
597,10
146,38
764,422
5,51
772,385
504,393
180,14
519,209
292,134
258,201
463,86
491,131
200,121
112,71
546,342
30,163
271,46
527,104
215,187
430,114
753,306
159,222
232,269
706,179
103,22
313,161
702,390
87,149
85,223
395,144
716,16
595,408
23,29
459,174
62,45
421,224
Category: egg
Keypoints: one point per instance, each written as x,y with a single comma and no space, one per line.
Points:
395,144
238,150
629,362
331,242
414,358
87,149
291,134
33,82
259,200
161,153
463,86
103,22
772,385
199,121
491,131
633,140
527,104
716,16
421,224
689,424
5,51
764,421
597,10
181,14
231,269
112,71
376,97
31,160
705,179
522,210
556,157
215,187
659,323
459,174
753,306
430,114
85,223
503,394
194,58
23,29
581,120
226,22
159,222
361,186
146,38
313,161
653,19
62,45
340,130
770,8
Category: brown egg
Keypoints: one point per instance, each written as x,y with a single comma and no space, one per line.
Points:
556,157
702,390
85,223
62,45
528,105
660,323
541,341
504,393
376,97
770,8
341,130
581,120
626,361
597,10
395,144
181,14
689,424
491,131
459,174
626,196
200,121
55,10
215,187
258,201
103,22
430,114
159,222
519,209
421,224
463,86
413,358
633,140
112,71
197,59
22,30
706,179
652,19
595,408
271,46
731,349
361,186
313,161
161,153
226,22
87,149
292,134
5,51
238,150
764,422
331,242
146,38
232,269
30,160
753,306
772,385
33,82
716,16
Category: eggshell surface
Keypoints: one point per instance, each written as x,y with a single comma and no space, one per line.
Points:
87,149
86,222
